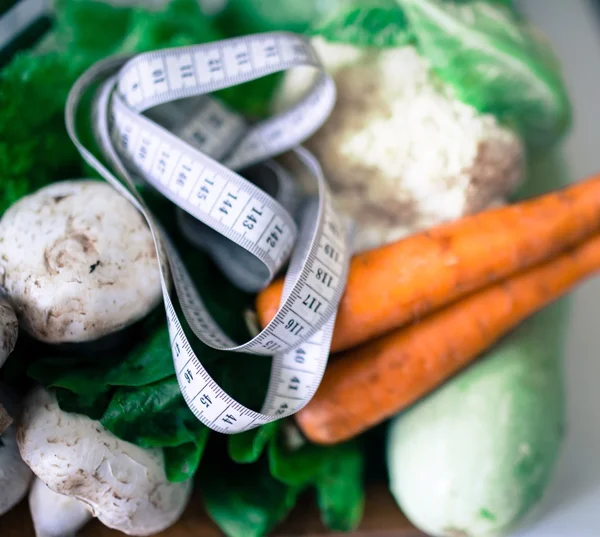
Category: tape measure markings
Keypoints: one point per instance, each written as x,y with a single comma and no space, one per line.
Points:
214,66
217,182
179,166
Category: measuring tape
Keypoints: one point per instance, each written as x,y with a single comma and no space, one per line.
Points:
154,122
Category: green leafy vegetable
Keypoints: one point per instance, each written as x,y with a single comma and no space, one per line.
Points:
72,373
157,416
242,17
340,491
495,61
76,29
181,462
90,404
33,141
246,501
248,446
148,362
298,467
129,409
365,23
335,471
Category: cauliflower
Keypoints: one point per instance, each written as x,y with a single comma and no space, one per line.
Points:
400,152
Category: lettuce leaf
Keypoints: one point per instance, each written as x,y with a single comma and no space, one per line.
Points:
365,23
340,491
249,499
146,362
335,471
34,146
245,501
240,17
299,467
248,446
156,416
92,404
495,61
182,461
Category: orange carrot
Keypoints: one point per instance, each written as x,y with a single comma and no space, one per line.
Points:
367,385
394,284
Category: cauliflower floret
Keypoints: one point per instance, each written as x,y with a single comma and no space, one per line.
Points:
400,152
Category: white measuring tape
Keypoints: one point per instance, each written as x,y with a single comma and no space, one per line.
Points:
187,150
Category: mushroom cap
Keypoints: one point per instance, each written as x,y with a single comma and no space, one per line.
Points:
15,475
123,485
54,514
77,262
9,330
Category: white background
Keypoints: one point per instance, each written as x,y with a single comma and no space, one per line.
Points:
571,507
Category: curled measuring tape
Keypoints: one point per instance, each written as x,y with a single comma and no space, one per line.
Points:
154,122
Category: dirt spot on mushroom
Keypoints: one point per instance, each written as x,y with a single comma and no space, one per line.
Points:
99,478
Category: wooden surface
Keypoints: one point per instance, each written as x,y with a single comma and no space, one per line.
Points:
382,519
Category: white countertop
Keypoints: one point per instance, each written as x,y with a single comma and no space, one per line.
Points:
571,507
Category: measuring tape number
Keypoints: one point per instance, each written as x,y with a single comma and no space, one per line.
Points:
154,122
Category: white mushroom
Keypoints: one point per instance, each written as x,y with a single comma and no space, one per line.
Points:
123,485
77,262
9,329
15,475
54,514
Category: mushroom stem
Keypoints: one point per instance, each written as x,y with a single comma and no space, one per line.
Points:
54,514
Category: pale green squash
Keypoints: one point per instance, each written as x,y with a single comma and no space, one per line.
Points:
472,458
476,455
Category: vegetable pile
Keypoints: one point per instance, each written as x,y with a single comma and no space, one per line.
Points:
441,149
